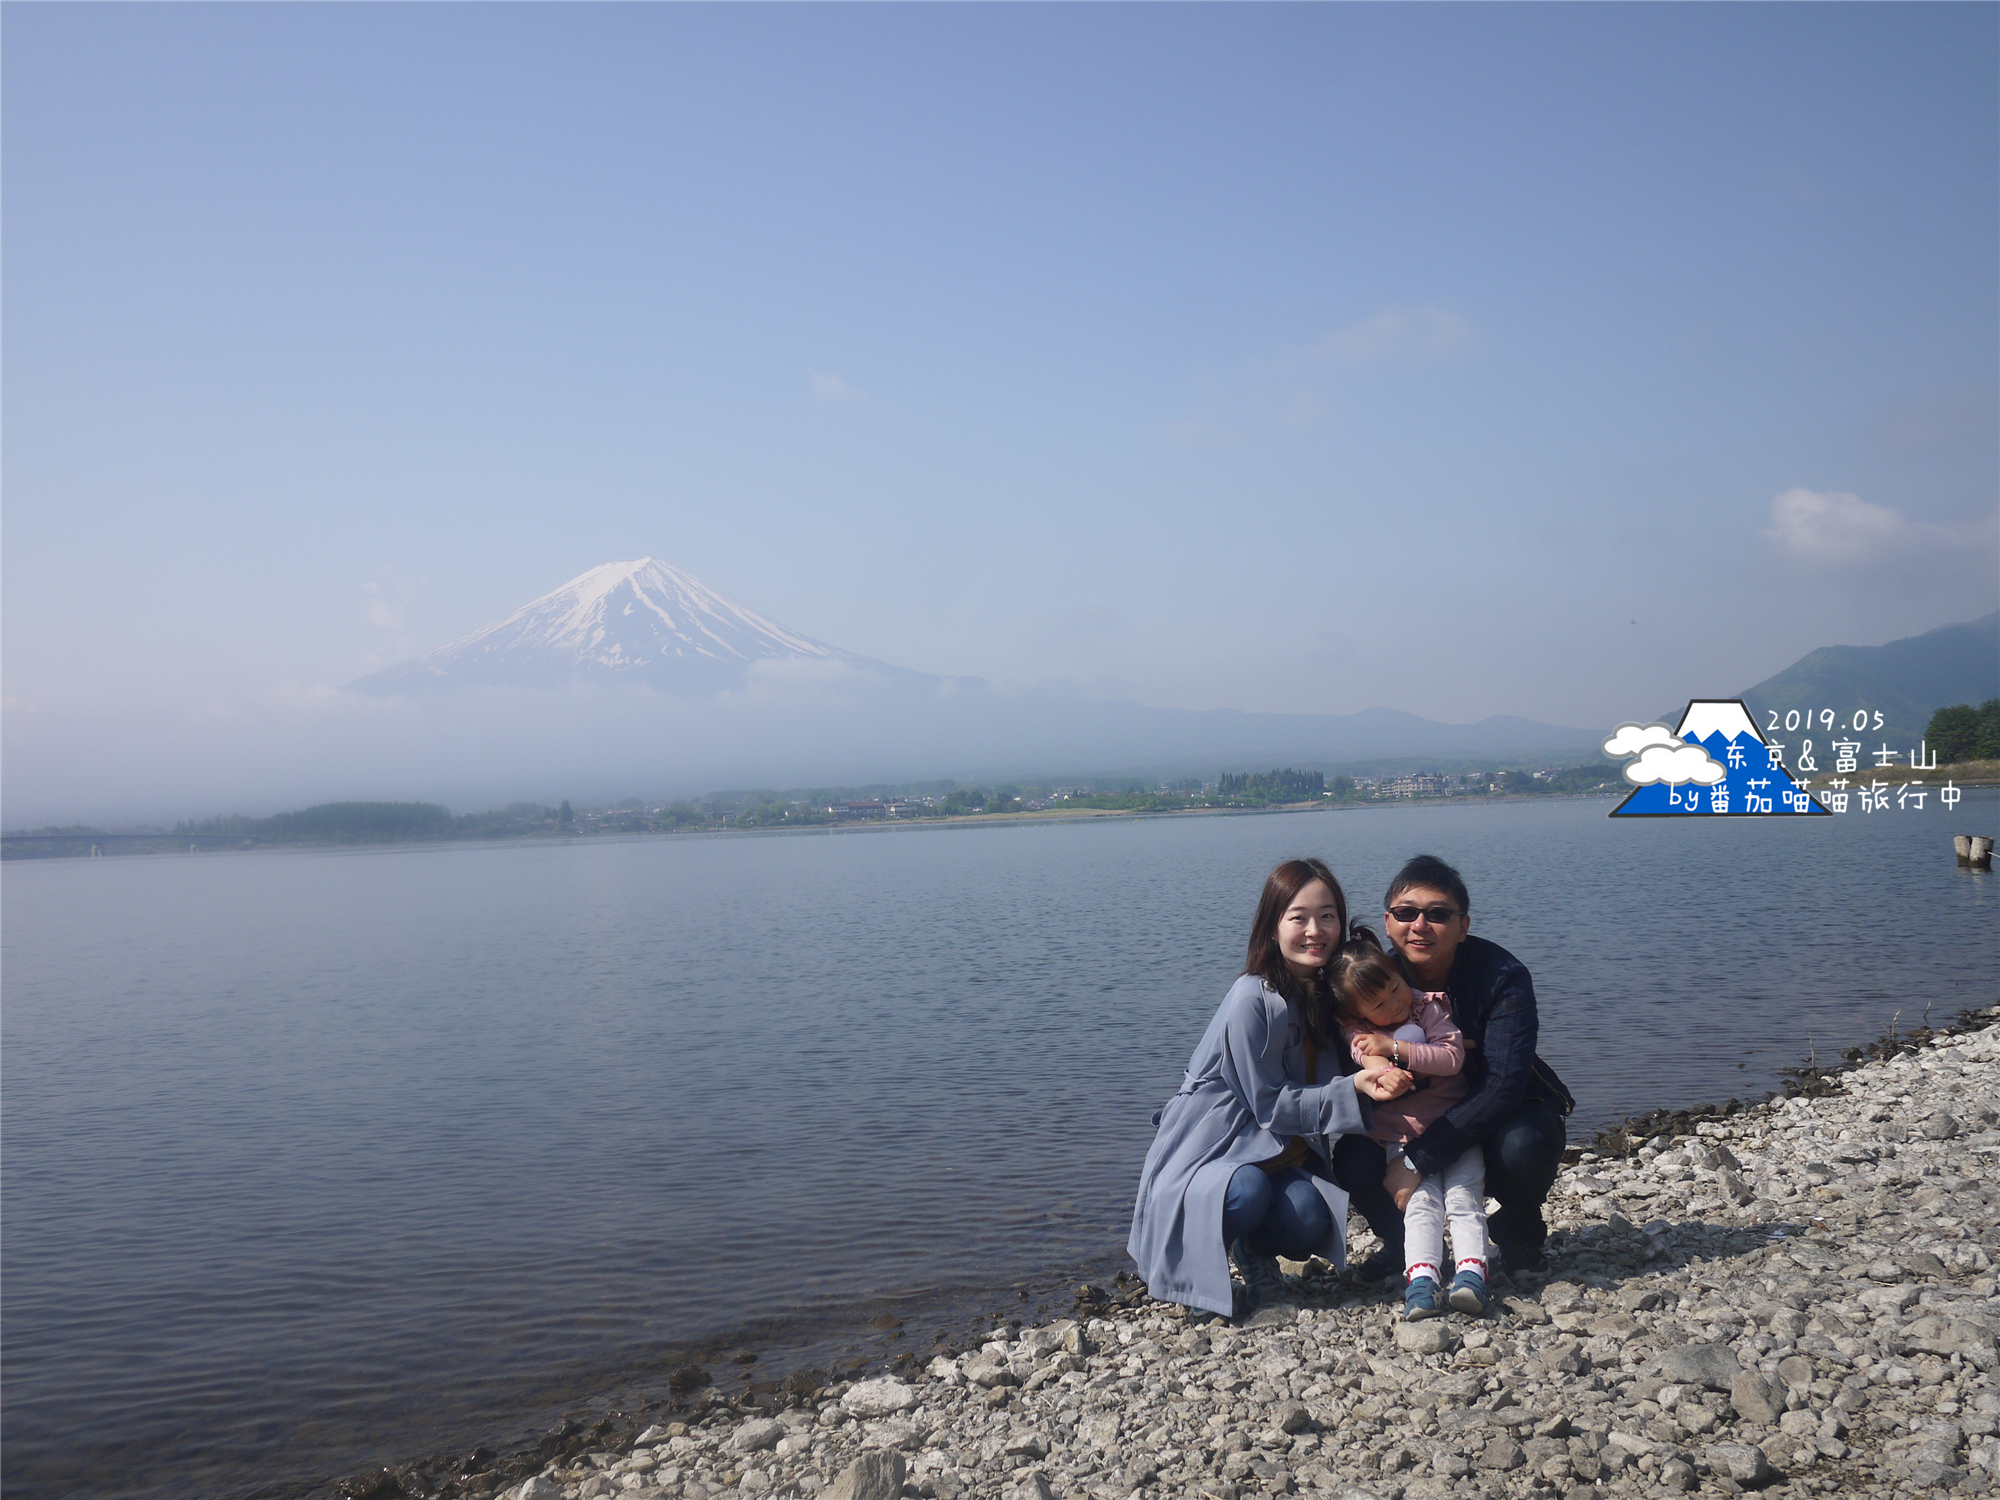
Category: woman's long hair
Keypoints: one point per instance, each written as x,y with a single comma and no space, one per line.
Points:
1264,959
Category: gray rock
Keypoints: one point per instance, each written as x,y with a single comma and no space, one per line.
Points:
1433,1336
537,1488
1938,1127
873,1476
1745,1464
756,1436
1755,1398
879,1398
1712,1366
1028,1444
988,1370
896,1433
1677,1474
1036,1487
1501,1455
1294,1418
1272,1315
1886,1300
1948,1336
1099,1430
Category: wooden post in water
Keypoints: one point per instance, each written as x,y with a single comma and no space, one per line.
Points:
1962,844
1982,852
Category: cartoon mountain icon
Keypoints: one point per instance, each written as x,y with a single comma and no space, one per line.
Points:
1754,782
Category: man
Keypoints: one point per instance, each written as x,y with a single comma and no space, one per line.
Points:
1516,1106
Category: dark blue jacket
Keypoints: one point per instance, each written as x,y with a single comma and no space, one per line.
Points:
1493,1000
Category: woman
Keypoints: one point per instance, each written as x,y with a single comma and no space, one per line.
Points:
1239,1164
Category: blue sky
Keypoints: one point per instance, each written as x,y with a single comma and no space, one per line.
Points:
1564,361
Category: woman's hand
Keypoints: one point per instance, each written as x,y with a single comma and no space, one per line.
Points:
1383,1084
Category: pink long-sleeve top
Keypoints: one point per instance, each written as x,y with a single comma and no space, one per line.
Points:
1438,1061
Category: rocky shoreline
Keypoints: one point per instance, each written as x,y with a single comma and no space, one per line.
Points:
1796,1297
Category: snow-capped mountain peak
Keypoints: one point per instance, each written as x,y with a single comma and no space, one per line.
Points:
640,621
1724,716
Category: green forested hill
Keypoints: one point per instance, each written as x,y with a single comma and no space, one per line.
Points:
1908,680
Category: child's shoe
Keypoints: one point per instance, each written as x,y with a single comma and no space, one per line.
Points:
1468,1293
1420,1300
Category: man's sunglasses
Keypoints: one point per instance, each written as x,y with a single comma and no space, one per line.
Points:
1436,915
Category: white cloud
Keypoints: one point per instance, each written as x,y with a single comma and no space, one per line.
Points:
383,610
1832,529
828,388
1676,765
1631,739
1426,331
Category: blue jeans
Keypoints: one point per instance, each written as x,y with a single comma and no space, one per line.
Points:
1281,1215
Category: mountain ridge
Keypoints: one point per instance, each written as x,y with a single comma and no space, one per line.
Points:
1908,680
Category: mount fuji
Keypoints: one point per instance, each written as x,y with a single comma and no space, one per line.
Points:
647,625
642,622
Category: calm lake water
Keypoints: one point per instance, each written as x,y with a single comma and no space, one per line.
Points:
316,1160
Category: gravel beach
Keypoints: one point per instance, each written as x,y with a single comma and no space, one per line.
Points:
1796,1298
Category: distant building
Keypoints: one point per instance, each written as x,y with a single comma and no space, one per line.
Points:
1417,786
859,809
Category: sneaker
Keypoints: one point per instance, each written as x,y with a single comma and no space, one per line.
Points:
1468,1294
1263,1282
1383,1264
1420,1300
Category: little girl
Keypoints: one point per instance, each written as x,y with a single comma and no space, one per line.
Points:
1387,1025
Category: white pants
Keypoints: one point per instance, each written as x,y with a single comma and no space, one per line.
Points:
1459,1194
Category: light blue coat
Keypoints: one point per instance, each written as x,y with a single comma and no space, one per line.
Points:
1245,1095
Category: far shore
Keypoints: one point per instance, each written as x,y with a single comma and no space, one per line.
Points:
167,843
1965,774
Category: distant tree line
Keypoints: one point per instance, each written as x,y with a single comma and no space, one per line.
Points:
1272,786
394,822
1570,779
336,823
1963,732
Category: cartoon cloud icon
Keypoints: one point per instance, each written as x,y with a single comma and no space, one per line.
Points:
1662,757
1676,765
1716,747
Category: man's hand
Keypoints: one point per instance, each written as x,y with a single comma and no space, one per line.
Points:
1401,1182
